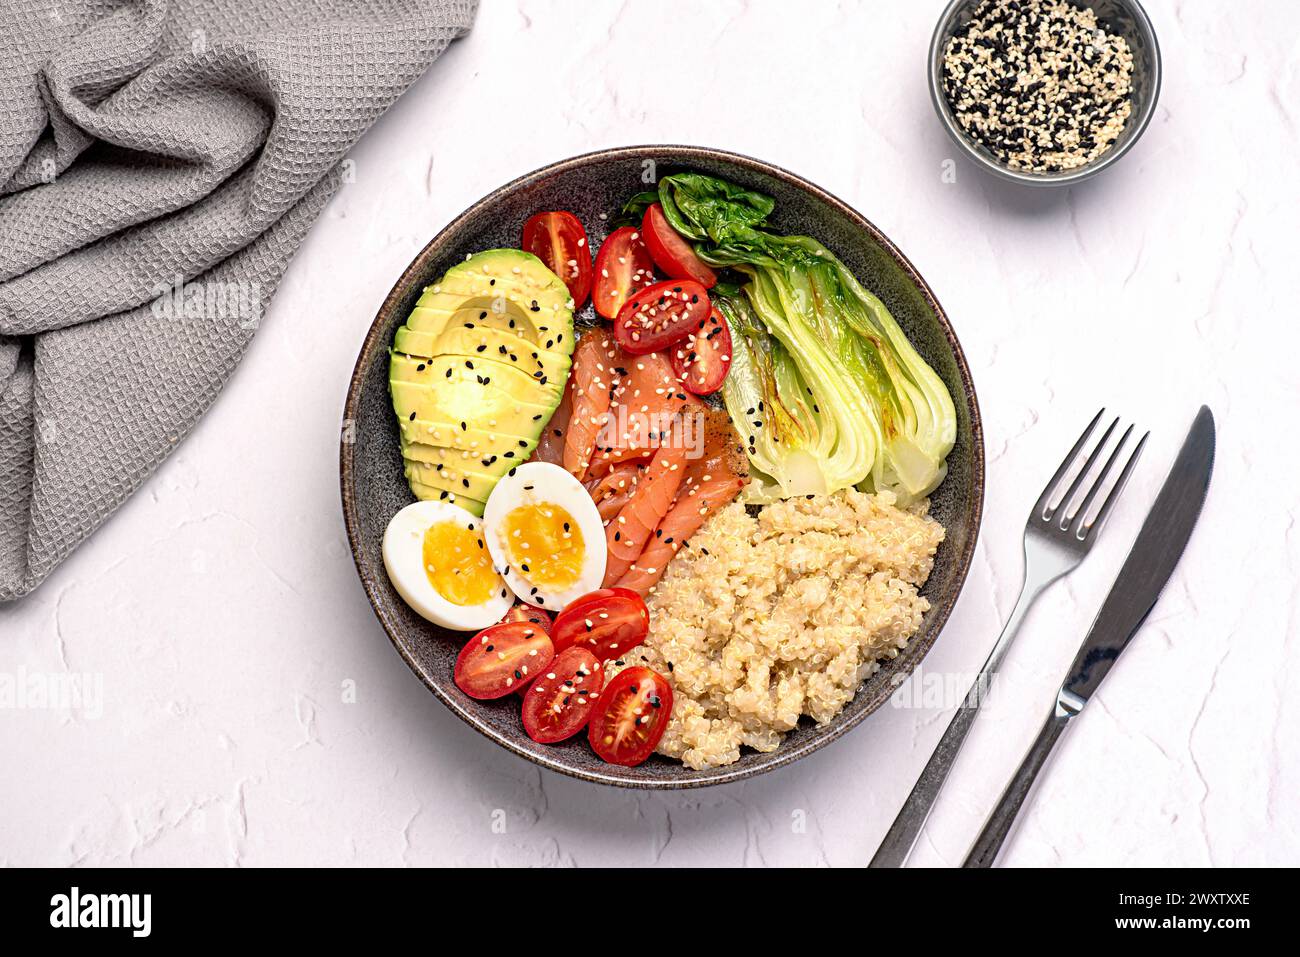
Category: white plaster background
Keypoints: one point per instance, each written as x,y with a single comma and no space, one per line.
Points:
223,613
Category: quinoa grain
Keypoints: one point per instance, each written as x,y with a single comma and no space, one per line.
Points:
769,618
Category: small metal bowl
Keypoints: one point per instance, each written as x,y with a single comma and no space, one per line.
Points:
1125,17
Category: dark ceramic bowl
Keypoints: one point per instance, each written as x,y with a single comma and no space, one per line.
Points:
592,185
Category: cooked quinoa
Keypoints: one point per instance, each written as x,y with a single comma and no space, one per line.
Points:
1040,83
764,619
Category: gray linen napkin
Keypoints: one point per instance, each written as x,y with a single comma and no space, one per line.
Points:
160,162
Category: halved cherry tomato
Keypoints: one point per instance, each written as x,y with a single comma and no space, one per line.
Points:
494,662
558,239
558,703
671,253
623,266
702,360
630,716
537,616
608,622
660,315
521,612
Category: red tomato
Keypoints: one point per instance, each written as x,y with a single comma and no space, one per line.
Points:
630,716
521,612
660,315
608,622
558,239
497,659
671,253
537,616
702,361
558,703
623,266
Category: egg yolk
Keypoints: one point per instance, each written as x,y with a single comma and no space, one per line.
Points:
458,564
545,544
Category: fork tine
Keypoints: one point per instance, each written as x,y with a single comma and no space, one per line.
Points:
1076,517
1063,507
1118,487
1040,507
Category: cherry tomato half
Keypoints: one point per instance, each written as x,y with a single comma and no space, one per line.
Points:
521,612
702,360
630,716
671,253
536,616
623,266
608,622
660,315
497,659
559,701
558,239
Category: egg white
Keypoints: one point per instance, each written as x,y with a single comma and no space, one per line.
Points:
404,559
543,483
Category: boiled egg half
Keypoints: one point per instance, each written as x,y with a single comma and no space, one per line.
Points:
439,563
545,535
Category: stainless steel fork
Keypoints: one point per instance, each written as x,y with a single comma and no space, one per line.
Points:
1057,537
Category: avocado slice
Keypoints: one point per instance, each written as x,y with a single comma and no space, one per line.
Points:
430,493
470,385
504,289
485,344
450,435
504,456
458,478
479,367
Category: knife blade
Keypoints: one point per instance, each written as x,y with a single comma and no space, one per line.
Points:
1159,545
1150,563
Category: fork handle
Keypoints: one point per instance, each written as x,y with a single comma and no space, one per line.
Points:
902,835
1000,822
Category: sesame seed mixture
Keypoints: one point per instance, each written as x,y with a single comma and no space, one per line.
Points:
1040,83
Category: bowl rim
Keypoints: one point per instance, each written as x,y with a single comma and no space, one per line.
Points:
996,167
416,271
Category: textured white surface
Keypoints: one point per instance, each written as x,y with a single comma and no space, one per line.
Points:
221,611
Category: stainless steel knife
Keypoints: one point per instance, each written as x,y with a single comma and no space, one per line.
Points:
1150,562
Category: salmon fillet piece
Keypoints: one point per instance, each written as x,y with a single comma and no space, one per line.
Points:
591,383
550,447
710,483
646,399
626,535
691,510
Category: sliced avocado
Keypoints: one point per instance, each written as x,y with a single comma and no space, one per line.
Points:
474,376
504,347
475,397
505,456
451,435
506,289
461,482
479,367
429,493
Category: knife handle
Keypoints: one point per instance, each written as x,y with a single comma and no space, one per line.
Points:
1003,817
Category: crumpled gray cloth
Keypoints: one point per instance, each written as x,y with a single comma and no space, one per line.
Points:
160,162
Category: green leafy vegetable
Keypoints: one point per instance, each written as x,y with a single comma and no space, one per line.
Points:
634,209
704,207
845,398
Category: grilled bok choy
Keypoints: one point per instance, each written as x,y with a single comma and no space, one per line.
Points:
824,387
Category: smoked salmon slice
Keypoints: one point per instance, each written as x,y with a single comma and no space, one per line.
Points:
710,483
591,382
626,535
550,447
691,510
646,399
611,491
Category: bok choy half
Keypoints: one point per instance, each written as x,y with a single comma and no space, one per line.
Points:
824,388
